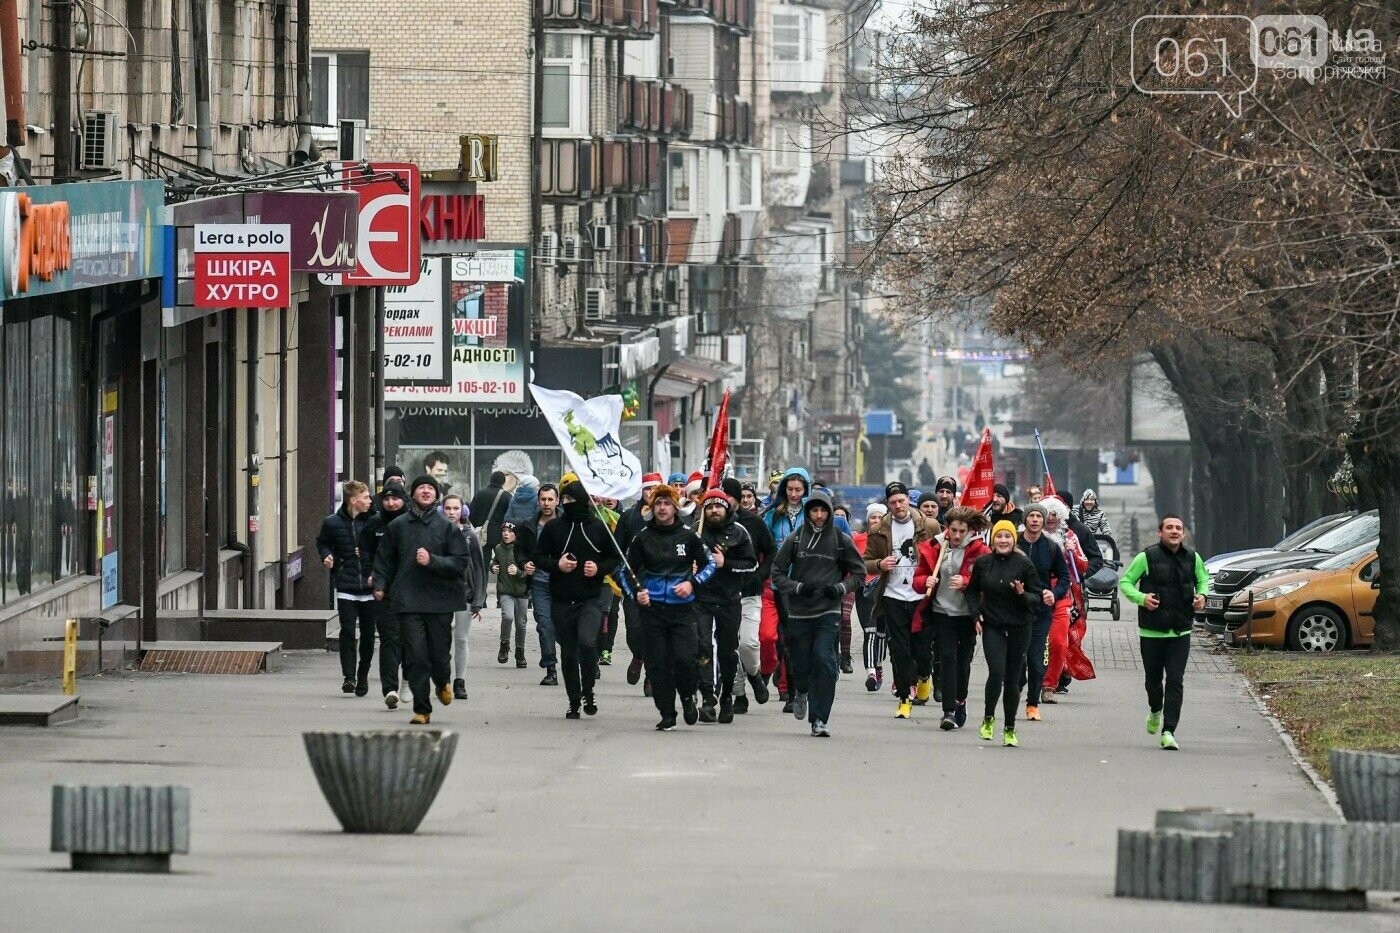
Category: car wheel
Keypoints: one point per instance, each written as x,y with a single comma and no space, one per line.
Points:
1317,628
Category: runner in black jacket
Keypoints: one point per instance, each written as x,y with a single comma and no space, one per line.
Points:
733,553
1006,591
751,600
629,525
346,544
579,556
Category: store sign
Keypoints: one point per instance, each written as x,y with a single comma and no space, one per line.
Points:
418,329
478,159
242,266
489,313
453,217
829,450
388,244
58,238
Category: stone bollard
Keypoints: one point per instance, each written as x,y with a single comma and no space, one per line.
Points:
1216,820
380,781
1368,785
1172,865
124,827
1318,866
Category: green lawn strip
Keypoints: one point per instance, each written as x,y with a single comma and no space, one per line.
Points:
1328,702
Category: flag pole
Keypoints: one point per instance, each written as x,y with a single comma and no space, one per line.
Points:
611,537
1041,447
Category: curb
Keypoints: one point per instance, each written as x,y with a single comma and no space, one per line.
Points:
1322,786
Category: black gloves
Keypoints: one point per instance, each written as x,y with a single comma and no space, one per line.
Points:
834,591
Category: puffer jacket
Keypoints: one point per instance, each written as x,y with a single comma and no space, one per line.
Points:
351,542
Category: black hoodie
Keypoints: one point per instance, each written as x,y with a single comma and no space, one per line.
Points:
811,559
579,533
740,562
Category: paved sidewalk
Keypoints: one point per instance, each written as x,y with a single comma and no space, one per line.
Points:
605,824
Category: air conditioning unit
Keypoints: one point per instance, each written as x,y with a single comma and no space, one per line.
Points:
569,247
595,304
602,237
548,252
350,141
99,142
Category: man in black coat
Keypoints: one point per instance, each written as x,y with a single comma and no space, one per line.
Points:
732,550
391,503
488,509
579,556
420,572
346,544
750,599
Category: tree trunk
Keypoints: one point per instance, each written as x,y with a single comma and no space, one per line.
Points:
1378,476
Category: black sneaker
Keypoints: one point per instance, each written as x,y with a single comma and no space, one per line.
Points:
937,693
503,655
634,671
799,706
871,683
787,707
726,710
667,724
348,686
960,715
947,724
1062,690
741,705
707,712
572,713
550,679
459,689
688,710
590,705
760,690
521,662
846,664
362,684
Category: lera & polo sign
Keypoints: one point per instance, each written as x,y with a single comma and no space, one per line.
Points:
242,265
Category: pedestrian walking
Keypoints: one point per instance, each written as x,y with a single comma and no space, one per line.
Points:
1051,569
892,550
814,569
488,509
576,550
1066,608
1168,584
872,623
512,595
945,567
848,605
393,504
454,509
749,673
718,602
529,531
420,574
346,544
670,561
1007,593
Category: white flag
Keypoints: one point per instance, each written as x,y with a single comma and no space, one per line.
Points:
589,433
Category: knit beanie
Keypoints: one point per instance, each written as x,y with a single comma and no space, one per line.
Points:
1003,525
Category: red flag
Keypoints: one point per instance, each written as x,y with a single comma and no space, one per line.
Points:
718,456
1049,485
977,492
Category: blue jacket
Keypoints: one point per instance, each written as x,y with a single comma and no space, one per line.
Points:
664,557
776,517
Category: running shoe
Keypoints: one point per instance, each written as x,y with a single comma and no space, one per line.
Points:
1008,738
1048,696
590,705
1061,691
937,694
871,683
760,689
667,724
1033,713
726,710
905,710
634,671
572,713
347,686
799,706
1154,722
391,699
989,725
741,705
819,730
689,712
708,712
960,715
605,658
1169,743
924,691
947,724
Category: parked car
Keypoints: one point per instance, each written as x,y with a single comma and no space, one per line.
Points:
1323,608
1292,541
1232,578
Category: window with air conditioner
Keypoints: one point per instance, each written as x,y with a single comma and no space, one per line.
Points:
683,181
548,252
565,82
595,304
339,89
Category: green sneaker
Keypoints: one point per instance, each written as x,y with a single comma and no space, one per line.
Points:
989,726
1008,738
605,658
1169,743
1154,722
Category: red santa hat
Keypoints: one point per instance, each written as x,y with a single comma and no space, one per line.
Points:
651,479
695,483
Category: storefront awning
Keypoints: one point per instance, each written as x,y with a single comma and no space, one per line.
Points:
683,376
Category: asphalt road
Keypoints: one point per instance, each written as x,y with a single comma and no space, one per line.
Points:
603,823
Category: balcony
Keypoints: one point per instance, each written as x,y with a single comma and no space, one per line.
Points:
577,169
735,15
653,107
642,244
807,76
621,19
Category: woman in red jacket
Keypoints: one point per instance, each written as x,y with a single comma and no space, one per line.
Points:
945,566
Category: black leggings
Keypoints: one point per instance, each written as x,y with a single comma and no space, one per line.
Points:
955,638
1005,649
1166,658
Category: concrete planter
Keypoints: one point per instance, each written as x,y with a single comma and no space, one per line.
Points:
1317,865
380,781
1172,865
124,827
1368,785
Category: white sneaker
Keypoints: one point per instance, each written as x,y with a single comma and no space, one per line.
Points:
391,699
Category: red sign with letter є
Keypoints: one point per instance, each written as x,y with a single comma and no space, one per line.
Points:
242,266
389,241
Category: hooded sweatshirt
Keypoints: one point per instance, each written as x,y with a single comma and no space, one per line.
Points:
740,560
664,556
812,559
782,521
579,533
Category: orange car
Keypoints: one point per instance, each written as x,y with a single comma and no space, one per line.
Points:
1323,608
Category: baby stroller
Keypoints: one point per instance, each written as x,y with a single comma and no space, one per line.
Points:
1103,586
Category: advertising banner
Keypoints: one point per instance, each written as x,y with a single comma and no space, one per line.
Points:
489,309
242,266
417,329
390,215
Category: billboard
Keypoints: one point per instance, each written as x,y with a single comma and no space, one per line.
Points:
417,329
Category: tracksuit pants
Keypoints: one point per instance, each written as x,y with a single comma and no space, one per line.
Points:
911,653
811,645
724,622
872,624
750,660
608,635
956,637
670,653
1058,645
356,614
1005,649
576,626
427,641
1164,660
632,628
391,649
544,617
1033,674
